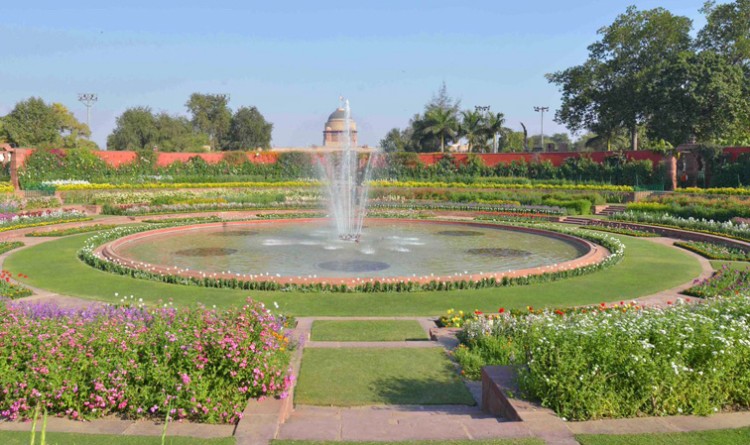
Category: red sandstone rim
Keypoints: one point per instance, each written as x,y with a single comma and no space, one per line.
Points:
593,255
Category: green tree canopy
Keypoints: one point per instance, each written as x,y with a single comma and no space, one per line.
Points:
138,128
211,115
248,130
727,31
34,123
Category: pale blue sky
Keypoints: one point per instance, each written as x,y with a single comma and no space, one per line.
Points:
293,59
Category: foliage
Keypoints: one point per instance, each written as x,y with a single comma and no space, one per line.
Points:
211,115
623,231
726,282
7,246
34,123
196,364
71,230
685,206
79,162
715,251
726,228
727,31
248,130
11,290
39,218
138,128
626,362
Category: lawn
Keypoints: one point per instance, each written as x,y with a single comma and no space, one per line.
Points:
23,438
375,376
367,330
647,268
739,436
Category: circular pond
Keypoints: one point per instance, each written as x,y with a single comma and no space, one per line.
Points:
388,249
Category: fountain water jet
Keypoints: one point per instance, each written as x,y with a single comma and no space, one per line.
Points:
347,177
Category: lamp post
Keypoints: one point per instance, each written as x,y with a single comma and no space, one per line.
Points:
88,100
542,110
484,109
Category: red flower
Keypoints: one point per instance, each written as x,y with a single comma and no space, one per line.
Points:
477,312
603,304
501,310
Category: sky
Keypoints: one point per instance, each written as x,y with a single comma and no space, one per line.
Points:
294,59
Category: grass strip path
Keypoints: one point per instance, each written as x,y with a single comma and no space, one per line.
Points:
23,438
736,265
367,330
739,436
646,269
369,376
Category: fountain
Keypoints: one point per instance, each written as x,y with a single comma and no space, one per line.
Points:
346,176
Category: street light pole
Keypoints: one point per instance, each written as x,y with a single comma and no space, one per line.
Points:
542,110
88,100
484,110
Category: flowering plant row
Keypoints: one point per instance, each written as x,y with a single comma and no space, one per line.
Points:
187,185
71,230
6,187
196,364
7,246
715,191
715,251
87,255
725,282
40,218
135,210
490,185
623,231
727,228
11,290
625,362
536,210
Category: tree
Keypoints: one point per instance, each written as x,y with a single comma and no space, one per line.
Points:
494,126
135,129
211,115
248,130
473,129
176,133
442,123
33,123
611,89
700,95
394,141
727,31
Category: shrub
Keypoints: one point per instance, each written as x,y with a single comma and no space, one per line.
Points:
201,364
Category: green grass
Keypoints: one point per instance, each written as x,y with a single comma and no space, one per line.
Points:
739,436
367,330
736,265
419,442
647,268
23,437
375,376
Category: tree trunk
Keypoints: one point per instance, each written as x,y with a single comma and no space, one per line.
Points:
634,138
442,143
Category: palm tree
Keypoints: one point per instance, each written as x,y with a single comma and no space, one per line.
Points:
441,123
494,126
473,128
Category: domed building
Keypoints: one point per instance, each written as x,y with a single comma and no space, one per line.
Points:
334,131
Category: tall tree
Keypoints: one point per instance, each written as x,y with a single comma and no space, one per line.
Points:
473,129
727,31
394,141
249,130
33,123
135,129
442,123
211,115
611,89
494,127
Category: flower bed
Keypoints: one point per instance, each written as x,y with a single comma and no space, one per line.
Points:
715,191
187,185
40,218
623,231
491,185
89,255
715,251
725,282
71,230
196,364
11,290
6,187
623,362
145,209
740,231
7,246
